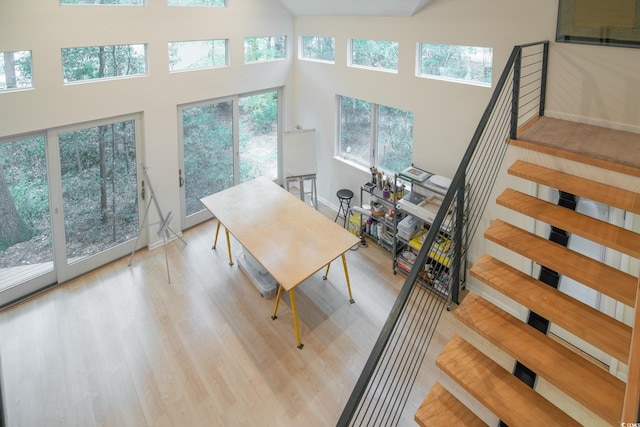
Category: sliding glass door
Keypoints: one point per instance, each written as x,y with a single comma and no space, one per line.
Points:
26,246
68,202
225,142
208,165
98,194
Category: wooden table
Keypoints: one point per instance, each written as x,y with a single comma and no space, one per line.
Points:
291,240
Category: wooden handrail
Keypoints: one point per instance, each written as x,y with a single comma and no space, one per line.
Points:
632,394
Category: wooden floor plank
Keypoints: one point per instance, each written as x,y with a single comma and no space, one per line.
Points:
502,393
604,233
585,382
601,277
441,409
581,142
592,190
602,331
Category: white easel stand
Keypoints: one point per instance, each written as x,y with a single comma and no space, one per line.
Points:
164,230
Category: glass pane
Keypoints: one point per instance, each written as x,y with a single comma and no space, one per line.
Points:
318,48
259,136
462,63
102,62
197,54
264,48
99,188
208,151
25,228
355,130
395,139
375,54
15,70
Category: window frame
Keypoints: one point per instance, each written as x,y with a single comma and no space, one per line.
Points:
301,50
102,79
197,217
350,61
18,86
374,139
226,55
420,74
285,56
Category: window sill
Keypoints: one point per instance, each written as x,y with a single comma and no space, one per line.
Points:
351,163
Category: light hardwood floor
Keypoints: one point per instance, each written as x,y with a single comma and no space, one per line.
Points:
122,347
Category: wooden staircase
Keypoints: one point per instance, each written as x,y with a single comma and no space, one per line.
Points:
574,375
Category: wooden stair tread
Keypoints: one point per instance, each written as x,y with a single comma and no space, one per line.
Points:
502,393
596,275
576,376
604,332
592,190
609,235
441,408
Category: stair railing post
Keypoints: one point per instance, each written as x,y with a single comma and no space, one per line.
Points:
543,78
515,94
631,407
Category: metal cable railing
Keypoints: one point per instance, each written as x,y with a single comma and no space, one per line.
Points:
383,388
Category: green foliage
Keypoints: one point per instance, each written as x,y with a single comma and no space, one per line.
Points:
98,62
355,129
393,139
208,151
458,62
99,184
374,53
18,65
259,113
264,48
321,48
208,53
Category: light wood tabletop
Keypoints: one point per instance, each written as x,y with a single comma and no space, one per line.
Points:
291,240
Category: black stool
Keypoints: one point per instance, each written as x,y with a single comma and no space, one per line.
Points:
344,197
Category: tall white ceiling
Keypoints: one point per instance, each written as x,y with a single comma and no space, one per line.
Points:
354,7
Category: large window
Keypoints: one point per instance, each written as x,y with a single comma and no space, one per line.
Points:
15,70
103,62
465,64
375,135
99,187
68,202
25,230
195,55
380,55
318,48
225,142
257,49
259,136
207,135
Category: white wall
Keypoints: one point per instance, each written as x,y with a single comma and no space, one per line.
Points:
587,83
44,27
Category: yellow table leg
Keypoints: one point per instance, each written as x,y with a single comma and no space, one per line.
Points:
275,311
295,318
326,274
229,247
346,275
216,238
